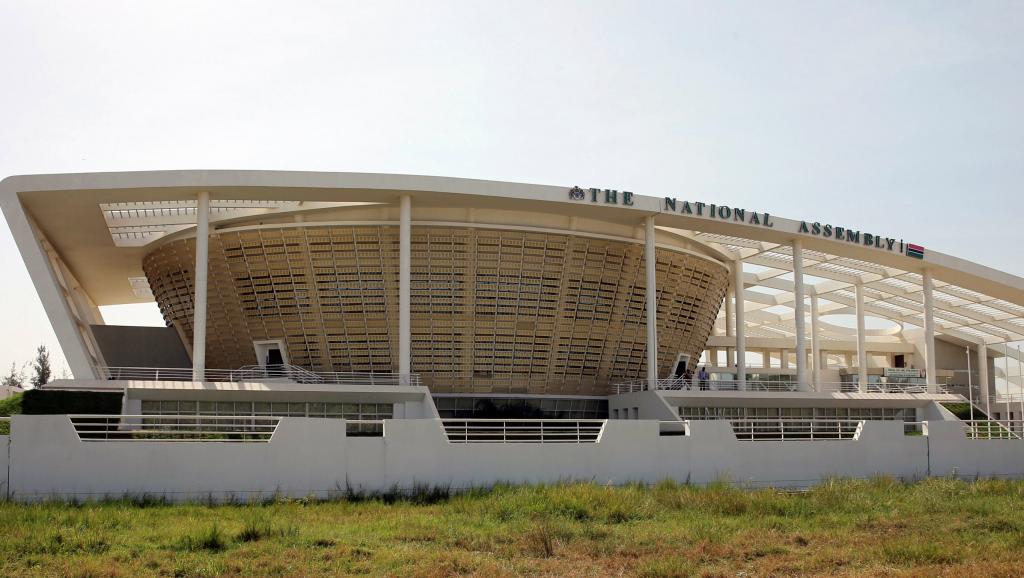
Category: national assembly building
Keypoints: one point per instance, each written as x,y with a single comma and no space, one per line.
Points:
331,332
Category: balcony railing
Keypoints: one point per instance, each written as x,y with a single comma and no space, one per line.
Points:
289,373
752,429
680,384
518,431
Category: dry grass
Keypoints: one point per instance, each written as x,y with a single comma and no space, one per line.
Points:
841,528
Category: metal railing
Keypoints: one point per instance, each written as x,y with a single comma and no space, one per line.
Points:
511,431
290,373
992,430
134,428
681,384
1001,399
356,378
754,429
896,388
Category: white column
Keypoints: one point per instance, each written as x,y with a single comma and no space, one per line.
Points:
741,329
404,283
862,354
798,315
730,321
201,282
652,302
983,377
929,330
730,312
815,346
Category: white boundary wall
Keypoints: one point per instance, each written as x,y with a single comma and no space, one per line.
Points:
314,457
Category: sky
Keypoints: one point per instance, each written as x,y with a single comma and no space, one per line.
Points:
897,117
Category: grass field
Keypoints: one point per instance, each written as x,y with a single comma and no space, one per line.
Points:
841,528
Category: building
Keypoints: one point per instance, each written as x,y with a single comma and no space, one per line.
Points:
467,311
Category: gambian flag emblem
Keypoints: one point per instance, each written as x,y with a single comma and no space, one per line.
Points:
916,251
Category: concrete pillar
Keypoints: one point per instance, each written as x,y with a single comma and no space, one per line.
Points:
730,321
730,312
929,330
815,346
862,354
741,328
201,283
404,287
983,377
798,315
651,261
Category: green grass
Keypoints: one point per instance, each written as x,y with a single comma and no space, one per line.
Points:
962,410
840,528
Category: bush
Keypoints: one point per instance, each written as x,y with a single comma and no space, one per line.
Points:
49,402
211,540
8,407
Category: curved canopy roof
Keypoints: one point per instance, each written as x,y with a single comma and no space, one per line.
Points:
100,224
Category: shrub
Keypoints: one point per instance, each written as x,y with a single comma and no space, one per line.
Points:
211,540
49,402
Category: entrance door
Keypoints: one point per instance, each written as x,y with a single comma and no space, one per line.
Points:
272,355
681,364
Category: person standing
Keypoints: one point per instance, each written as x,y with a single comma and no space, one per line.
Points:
702,377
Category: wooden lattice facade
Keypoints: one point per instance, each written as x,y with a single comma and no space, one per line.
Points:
492,310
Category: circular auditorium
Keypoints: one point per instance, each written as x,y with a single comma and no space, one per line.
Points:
497,307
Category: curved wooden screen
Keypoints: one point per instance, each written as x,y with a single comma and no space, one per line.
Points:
492,310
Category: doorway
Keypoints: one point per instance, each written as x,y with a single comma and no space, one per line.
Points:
682,364
271,353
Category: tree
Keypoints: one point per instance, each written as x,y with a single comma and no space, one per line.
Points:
14,379
41,367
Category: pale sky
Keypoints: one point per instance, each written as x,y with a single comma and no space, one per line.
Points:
902,118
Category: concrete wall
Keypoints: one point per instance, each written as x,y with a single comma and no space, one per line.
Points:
130,346
5,449
648,405
314,457
953,454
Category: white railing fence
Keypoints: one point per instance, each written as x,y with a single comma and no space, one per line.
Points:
681,384
105,427
990,430
1000,400
203,428
290,373
752,429
506,431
